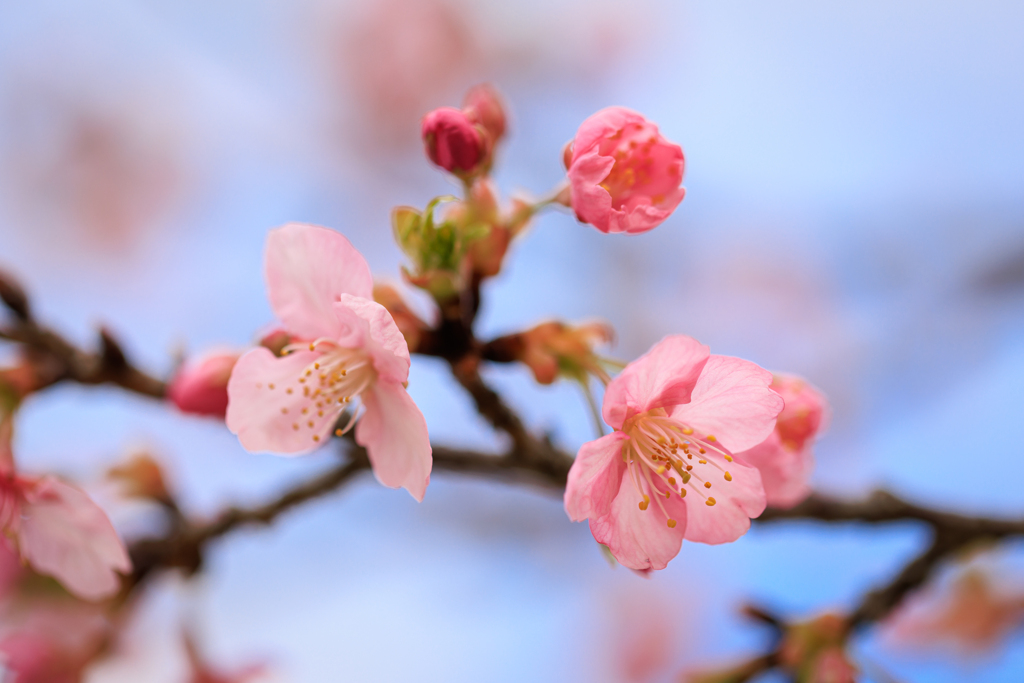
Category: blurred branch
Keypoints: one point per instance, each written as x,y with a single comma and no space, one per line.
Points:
55,359
529,458
951,533
183,547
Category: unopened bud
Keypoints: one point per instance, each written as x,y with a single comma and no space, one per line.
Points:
142,477
201,386
483,105
453,141
553,348
803,643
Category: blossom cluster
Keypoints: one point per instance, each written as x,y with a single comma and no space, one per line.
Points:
699,443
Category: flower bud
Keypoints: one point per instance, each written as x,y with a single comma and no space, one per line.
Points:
813,650
554,348
142,477
453,141
201,387
483,106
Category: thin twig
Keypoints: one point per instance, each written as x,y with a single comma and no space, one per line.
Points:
59,360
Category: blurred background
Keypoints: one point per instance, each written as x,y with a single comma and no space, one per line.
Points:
855,214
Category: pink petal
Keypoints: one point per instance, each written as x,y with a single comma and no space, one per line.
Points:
733,403
736,502
785,472
262,412
641,539
307,268
600,125
394,433
638,216
380,336
64,534
664,376
591,202
594,477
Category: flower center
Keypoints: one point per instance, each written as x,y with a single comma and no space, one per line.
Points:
328,385
665,458
636,170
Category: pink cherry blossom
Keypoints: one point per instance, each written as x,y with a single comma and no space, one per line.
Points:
668,471
201,385
452,140
785,458
623,174
59,530
351,352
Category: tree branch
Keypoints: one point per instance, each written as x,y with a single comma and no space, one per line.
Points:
55,359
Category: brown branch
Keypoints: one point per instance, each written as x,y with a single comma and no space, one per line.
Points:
489,404
879,603
530,458
183,547
56,359
882,506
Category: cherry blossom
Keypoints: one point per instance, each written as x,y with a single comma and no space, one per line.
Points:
58,530
785,458
668,471
624,175
347,352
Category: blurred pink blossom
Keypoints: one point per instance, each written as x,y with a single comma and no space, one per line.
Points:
625,176
678,413
59,530
48,639
396,58
972,613
785,458
320,287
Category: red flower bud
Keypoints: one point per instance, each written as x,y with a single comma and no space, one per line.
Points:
452,141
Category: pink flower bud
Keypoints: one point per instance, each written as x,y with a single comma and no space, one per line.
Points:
452,140
484,107
624,175
201,386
